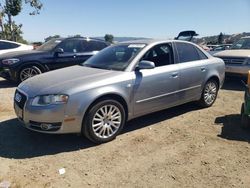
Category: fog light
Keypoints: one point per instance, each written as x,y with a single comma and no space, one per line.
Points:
45,126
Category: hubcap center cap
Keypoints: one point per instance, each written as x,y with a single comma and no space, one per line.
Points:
106,121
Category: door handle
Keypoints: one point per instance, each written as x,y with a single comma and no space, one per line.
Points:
203,69
174,75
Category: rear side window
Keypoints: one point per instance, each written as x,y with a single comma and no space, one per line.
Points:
188,52
71,46
90,46
7,45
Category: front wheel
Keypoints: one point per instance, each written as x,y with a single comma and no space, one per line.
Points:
28,72
104,121
209,93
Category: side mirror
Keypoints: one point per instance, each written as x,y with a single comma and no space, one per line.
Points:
59,51
145,65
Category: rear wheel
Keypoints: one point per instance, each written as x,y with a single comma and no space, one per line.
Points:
209,93
104,121
28,72
244,118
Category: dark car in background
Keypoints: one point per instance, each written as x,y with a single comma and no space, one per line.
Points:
54,54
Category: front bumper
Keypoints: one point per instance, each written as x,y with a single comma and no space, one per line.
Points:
237,69
47,119
8,74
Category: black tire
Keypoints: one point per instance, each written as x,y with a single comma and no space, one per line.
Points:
244,118
35,71
107,124
204,101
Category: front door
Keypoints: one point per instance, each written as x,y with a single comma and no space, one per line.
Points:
157,88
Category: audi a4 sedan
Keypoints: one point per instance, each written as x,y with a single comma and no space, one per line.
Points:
54,54
121,82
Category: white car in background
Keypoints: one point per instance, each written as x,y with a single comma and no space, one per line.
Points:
10,46
237,59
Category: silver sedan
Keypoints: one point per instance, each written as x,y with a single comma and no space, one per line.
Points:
122,82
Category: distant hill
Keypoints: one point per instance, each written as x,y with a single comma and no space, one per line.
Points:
227,38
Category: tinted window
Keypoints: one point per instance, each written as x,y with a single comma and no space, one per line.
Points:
187,52
90,46
6,45
72,46
161,55
201,54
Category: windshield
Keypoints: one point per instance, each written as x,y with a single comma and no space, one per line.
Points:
115,57
243,43
50,45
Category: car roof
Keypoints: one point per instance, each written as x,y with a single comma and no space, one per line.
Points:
9,41
85,38
153,41
247,37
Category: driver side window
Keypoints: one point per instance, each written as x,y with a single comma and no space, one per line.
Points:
161,55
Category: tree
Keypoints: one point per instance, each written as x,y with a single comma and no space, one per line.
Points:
220,38
109,38
10,9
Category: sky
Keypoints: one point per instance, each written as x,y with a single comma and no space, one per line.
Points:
135,18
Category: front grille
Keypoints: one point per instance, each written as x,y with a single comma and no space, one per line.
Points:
20,99
235,60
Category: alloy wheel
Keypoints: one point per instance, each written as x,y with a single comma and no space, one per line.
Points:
106,121
210,93
28,73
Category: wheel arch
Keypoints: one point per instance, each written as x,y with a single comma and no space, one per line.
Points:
113,96
215,78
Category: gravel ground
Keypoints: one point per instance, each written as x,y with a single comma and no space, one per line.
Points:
185,146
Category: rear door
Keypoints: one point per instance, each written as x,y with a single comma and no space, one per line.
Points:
193,69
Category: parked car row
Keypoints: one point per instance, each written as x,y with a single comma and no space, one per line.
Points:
219,48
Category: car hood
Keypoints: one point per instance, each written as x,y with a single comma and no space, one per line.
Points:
233,53
68,80
20,54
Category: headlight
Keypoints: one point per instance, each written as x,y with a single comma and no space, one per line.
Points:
10,61
248,61
45,100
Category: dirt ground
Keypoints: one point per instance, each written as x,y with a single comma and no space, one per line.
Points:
184,146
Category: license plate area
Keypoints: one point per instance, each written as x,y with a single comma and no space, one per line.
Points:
18,111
